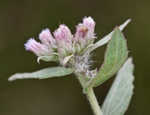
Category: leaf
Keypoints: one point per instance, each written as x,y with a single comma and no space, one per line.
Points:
43,73
107,38
115,57
119,96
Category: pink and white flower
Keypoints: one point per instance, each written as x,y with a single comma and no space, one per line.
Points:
85,32
37,48
63,38
89,23
46,38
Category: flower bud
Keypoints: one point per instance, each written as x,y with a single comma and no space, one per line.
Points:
81,31
89,23
63,38
63,33
85,35
36,47
80,37
46,38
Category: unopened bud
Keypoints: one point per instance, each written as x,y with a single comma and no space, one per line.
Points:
36,47
81,31
63,38
63,33
89,23
46,38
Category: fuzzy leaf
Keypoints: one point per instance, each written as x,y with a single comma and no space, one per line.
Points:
115,56
119,96
43,73
107,38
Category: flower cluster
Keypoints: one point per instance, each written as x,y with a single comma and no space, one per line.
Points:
63,43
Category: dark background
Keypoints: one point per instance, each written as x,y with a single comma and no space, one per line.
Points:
21,19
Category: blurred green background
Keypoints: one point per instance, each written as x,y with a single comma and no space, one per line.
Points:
21,19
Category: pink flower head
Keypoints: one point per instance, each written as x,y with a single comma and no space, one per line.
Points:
36,47
46,38
85,29
89,23
63,37
85,32
81,31
63,33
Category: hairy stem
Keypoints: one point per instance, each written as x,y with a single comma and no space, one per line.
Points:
88,91
93,102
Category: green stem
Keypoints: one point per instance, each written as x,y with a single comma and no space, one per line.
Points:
90,95
93,102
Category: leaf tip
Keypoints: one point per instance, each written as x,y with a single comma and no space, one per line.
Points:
10,79
125,24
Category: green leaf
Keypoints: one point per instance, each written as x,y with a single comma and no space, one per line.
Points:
43,73
115,57
107,38
119,96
